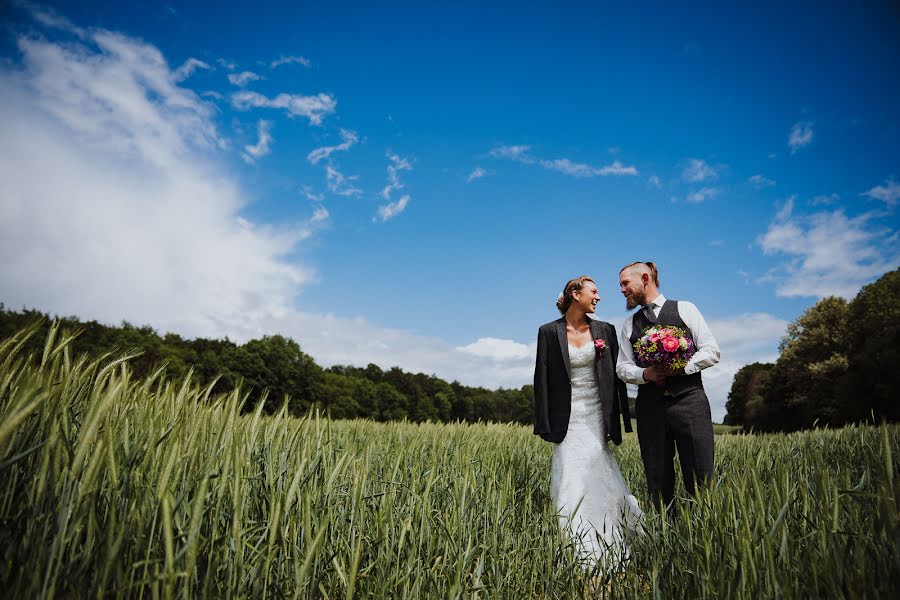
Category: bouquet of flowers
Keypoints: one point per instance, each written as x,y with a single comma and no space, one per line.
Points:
664,346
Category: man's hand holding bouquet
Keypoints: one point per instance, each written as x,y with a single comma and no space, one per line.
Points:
664,351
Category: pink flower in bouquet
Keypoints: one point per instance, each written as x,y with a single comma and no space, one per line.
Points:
653,338
599,345
671,344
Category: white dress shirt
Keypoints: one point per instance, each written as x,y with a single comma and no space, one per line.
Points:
707,349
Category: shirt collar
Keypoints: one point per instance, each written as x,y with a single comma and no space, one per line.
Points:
658,301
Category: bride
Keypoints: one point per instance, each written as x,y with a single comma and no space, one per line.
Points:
578,401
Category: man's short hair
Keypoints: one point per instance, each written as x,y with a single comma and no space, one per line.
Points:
654,273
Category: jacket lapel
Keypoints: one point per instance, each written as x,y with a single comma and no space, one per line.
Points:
602,362
564,344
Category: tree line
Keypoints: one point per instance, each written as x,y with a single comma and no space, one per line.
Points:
838,363
274,367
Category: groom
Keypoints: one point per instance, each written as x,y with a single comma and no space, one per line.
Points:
672,409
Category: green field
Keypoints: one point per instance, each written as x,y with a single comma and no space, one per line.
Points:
113,487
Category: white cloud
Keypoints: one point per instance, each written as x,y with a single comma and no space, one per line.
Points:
392,209
742,339
828,253
824,200
105,90
562,165
499,349
188,68
320,215
616,168
889,193
261,148
288,60
314,108
50,18
702,195
760,181
243,78
566,166
698,170
516,153
340,184
138,221
230,65
396,165
477,173
801,135
311,195
349,139
654,182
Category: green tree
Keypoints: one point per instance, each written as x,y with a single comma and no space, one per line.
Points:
747,384
277,364
803,386
872,386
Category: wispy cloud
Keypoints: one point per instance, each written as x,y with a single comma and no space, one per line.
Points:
703,194
760,181
697,170
315,108
824,200
716,243
477,173
654,182
828,253
320,215
801,136
522,155
349,138
261,148
50,18
392,209
564,165
889,192
311,195
290,60
243,78
188,68
340,184
397,164
516,153
227,64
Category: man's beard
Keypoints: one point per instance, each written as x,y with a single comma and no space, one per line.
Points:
635,299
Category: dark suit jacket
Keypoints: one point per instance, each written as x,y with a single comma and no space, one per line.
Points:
553,383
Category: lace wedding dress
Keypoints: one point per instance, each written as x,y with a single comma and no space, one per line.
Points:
586,484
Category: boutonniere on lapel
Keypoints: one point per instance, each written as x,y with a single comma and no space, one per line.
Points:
599,346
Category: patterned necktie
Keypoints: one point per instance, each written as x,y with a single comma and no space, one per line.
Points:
648,312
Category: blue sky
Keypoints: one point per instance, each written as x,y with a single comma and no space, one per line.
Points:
412,184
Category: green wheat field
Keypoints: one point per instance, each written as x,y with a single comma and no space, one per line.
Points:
113,487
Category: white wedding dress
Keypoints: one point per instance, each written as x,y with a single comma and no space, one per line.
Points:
586,484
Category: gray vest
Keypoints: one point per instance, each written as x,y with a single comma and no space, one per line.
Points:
678,385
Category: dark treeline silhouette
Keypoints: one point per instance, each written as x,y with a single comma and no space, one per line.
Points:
278,365
838,363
